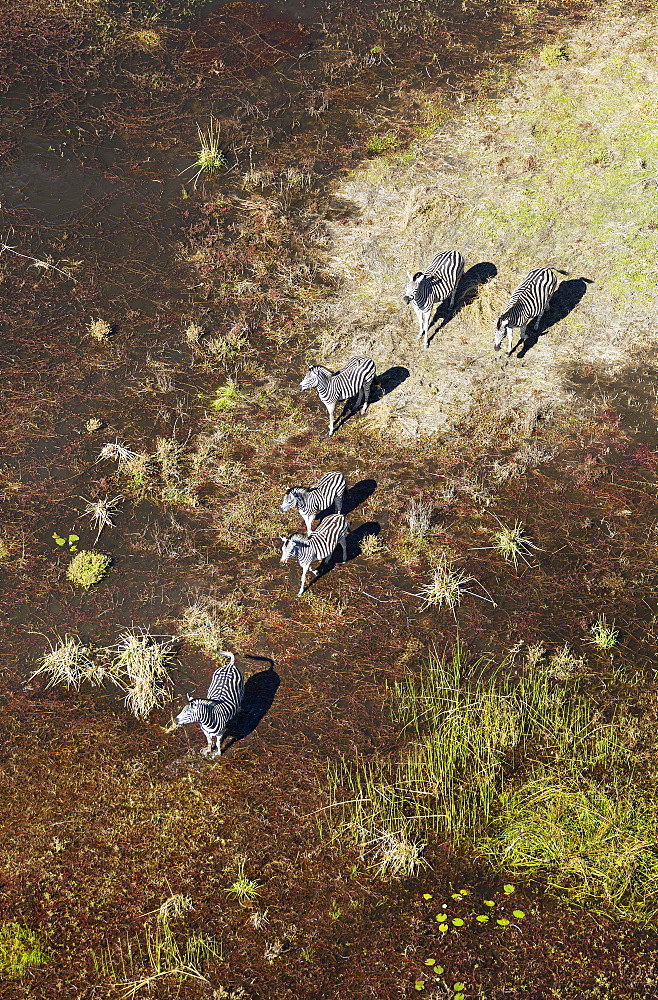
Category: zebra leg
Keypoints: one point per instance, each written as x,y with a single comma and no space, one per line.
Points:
331,407
366,395
343,543
426,317
301,586
308,520
207,750
338,503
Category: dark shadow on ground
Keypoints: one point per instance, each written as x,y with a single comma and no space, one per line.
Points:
383,384
390,380
259,693
354,540
467,291
566,298
358,494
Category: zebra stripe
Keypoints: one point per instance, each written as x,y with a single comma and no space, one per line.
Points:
529,301
222,703
312,501
318,545
355,378
431,287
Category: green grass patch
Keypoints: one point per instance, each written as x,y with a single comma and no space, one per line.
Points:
20,949
509,766
88,568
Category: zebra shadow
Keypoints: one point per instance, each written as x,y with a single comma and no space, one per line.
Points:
259,692
565,300
358,494
354,540
390,380
468,289
383,384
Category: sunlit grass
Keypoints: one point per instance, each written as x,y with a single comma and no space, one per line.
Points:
244,889
20,949
604,635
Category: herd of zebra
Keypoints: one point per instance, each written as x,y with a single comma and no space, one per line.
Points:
424,290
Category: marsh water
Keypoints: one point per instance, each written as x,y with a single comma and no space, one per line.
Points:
101,217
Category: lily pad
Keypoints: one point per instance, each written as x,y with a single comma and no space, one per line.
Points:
519,914
419,985
503,921
508,889
427,895
430,961
443,927
482,918
441,917
458,922
459,987
489,902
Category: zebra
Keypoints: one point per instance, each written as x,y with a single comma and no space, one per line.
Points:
318,545
311,502
354,379
221,704
529,301
428,288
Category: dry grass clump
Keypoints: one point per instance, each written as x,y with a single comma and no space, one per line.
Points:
418,516
101,512
92,425
168,454
227,345
447,587
397,854
120,452
69,662
143,663
210,624
513,544
564,665
100,330
88,568
193,333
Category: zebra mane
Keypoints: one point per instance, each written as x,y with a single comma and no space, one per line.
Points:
419,274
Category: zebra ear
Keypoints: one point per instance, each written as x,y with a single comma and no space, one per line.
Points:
190,698
282,538
409,276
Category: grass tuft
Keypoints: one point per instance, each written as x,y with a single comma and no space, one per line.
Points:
604,636
100,512
244,889
447,587
210,159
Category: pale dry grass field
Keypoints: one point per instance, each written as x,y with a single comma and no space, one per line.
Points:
560,171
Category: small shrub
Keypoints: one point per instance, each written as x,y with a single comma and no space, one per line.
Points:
226,397
604,636
93,424
211,625
371,545
4,549
20,949
565,665
88,568
137,472
100,330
